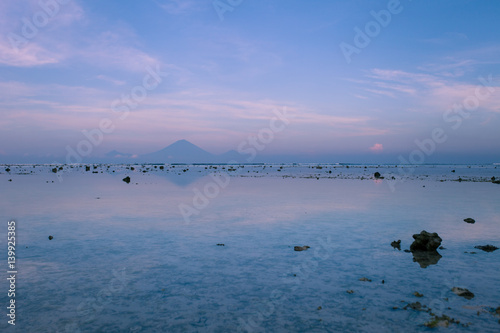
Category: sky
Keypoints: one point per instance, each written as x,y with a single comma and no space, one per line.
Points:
358,80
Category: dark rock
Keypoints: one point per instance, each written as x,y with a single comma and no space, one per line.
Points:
51,237
126,179
54,170
87,168
301,248
452,170
426,258
440,321
426,241
407,251
462,292
469,220
220,244
414,306
7,169
417,294
424,248
350,291
495,181
10,180
486,248
376,175
396,244
365,279
442,248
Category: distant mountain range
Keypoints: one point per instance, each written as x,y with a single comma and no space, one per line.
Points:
181,151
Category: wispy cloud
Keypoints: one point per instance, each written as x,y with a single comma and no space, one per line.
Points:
447,38
111,80
438,92
377,148
59,40
26,43
175,7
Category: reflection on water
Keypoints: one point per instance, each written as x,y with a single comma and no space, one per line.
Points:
124,260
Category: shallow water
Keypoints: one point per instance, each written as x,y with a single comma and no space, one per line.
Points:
125,259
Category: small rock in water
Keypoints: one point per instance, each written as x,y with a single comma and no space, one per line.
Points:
220,244
469,220
462,292
486,248
417,294
396,244
51,237
365,279
301,248
126,179
424,248
414,306
350,291
442,321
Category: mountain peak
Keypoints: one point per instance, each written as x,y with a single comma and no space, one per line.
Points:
182,142
180,151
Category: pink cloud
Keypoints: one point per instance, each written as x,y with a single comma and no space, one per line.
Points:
377,148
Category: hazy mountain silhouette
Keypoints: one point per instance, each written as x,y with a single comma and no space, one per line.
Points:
181,151
231,156
117,154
